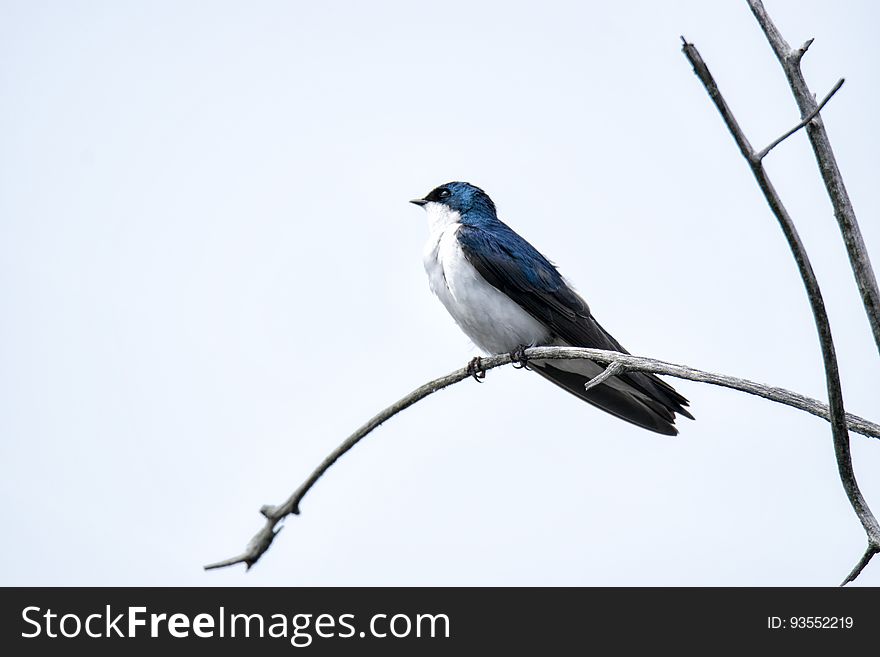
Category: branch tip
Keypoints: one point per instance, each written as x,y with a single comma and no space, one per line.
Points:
860,566
800,52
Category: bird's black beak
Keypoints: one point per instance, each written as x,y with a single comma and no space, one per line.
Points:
419,201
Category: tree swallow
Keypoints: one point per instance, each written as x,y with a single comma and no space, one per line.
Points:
505,296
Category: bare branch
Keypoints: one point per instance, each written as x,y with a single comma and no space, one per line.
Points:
760,155
843,209
615,362
709,83
811,284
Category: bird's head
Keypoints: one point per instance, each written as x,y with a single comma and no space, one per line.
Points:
458,197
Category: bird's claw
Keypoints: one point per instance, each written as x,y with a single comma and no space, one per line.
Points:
476,370
518,357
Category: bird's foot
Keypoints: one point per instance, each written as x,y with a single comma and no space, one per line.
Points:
518,357
476,370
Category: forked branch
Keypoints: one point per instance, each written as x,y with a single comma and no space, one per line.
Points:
820,316
790,60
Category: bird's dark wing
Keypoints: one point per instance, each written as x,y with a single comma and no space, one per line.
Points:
513,266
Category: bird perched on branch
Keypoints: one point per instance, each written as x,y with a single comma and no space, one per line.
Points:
506,296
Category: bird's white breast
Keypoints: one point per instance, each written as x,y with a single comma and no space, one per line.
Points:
489,317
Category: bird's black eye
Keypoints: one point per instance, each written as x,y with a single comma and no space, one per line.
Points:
439,194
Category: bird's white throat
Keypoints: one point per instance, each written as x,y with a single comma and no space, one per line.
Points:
440,217
490,318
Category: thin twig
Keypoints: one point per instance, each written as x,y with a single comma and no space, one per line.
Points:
275,514
612,369
860,261
817,304
760,155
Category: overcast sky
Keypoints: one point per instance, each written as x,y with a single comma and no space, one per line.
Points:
210,275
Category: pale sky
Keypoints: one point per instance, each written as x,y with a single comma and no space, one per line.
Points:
210,275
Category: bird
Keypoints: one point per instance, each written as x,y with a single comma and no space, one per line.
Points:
506,296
